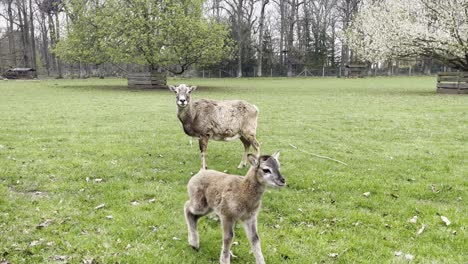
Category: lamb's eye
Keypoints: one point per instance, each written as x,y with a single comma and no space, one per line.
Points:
266,171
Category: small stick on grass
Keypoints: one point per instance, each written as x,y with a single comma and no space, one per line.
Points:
317,155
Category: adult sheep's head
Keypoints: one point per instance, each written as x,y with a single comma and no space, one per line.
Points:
183,93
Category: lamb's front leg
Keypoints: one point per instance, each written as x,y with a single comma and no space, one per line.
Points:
203,143
228,234
250,227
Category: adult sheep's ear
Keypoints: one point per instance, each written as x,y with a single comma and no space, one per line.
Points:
252,160
173,88
192,88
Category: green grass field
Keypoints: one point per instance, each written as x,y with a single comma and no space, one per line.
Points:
69,146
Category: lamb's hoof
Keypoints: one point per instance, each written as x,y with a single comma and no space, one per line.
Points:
195,248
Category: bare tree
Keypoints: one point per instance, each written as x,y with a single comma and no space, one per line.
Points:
33,39
260,37
347,9
241,13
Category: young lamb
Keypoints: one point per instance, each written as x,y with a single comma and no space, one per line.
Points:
219,120
233,198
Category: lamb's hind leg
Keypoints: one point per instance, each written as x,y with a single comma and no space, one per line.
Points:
243,162
191,217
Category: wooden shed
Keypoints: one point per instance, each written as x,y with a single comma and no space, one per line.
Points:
20,73
147,80
452,82
356,70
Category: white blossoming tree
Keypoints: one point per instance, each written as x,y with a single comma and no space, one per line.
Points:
395,29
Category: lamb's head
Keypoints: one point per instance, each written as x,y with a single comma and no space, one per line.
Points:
267,169
183,93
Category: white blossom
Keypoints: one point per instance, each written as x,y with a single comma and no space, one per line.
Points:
399,28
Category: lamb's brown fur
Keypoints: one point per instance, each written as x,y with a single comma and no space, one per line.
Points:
219,120
233,198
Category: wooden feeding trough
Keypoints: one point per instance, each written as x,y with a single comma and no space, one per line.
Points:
20,73
452,82
356,70
147,80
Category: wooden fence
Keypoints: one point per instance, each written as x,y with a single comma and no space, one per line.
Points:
452,82
147,80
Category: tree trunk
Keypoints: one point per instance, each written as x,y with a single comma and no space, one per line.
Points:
52,41
23,24
281,4
427,66
390,68
240,36
11,36
45,42
33,39
290,39
59,63
260,38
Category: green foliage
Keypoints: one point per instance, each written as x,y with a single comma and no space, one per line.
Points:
171,34
398,137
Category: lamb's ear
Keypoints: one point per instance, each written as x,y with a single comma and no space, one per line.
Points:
253,160
173,88
192,88
276,155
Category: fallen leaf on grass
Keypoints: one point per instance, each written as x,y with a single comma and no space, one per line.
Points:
99,206
414,220
60,258
409,257
152,200
88,261
434,189
110,217
35,243
333,255
98,180
445,220
135,203
421,230
50,244
46,223
398,253
366,194
175,238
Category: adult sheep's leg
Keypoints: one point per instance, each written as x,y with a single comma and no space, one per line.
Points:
250,227
243,162
203,143
253,141
228,235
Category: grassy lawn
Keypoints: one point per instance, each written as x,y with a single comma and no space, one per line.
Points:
69,146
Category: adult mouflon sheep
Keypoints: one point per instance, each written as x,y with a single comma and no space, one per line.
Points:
219,120
232,198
